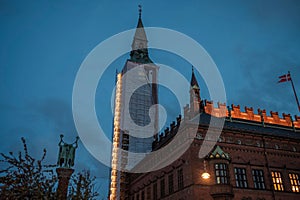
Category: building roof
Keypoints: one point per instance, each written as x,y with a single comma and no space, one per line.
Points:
251,126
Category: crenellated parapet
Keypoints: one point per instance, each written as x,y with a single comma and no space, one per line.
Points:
219,111
234,112
167,134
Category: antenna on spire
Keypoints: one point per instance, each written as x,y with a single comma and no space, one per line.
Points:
140,11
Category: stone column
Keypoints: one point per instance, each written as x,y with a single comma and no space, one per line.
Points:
64,175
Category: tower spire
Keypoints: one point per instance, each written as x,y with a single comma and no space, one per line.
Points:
195,100
139,52
194,82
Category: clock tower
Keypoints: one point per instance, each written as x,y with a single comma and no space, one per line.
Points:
135,114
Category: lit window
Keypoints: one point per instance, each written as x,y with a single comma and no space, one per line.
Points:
180,179
162,188
171,184
221,171
295,183
258,179
240,177
277,181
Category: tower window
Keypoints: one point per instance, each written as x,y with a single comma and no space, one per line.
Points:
155,191
180,179
143,195
221,171
148,193
277,181
295,182
240,177
171,184
162,188
258,179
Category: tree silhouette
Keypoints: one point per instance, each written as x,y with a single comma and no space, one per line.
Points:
25,177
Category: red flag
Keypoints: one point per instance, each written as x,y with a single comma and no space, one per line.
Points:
284,78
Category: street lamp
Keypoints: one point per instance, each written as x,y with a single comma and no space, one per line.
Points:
205,174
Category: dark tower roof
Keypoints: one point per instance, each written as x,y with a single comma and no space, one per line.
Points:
194,82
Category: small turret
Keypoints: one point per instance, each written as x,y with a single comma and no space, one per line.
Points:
195,100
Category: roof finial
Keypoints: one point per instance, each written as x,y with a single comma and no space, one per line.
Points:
140,11
192,69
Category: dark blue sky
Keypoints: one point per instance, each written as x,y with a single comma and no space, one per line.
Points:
43,44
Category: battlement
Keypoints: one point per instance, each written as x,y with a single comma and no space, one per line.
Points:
169,132
234,112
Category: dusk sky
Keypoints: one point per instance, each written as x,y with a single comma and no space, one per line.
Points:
43,44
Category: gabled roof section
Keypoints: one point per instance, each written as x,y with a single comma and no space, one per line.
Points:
218,153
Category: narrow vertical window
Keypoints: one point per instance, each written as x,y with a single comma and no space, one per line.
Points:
221,172
171,184
162,188
180,179
143,195
295,183
277,181
148,193
258,179
240,177
155,191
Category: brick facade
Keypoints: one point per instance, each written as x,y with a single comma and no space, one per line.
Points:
262,148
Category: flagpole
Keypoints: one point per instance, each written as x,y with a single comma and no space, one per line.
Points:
294,92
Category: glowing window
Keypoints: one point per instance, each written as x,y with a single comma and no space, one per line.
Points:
295,183
277,181
221,171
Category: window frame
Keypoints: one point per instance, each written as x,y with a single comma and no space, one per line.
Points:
258,179
221,173
240,175
171,183
295,182
162,188
155,197
277,181
180,179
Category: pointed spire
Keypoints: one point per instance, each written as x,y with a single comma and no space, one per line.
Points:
140,39
139,52
194,82
195,100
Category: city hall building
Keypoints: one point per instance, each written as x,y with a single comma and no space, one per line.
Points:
252,156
